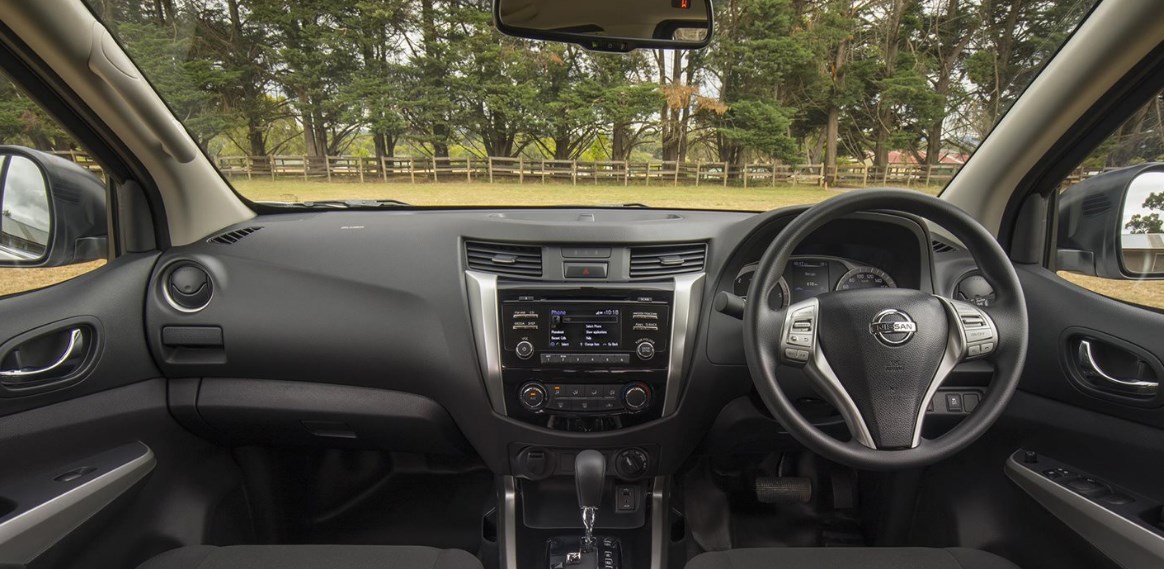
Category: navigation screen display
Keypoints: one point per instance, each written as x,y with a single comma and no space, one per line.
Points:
585,328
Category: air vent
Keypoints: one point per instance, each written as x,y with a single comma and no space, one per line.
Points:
1095,205
232,237
941,247
512,260
666,260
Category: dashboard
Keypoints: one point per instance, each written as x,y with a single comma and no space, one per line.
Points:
515,334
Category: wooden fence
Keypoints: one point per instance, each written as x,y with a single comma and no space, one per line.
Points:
525,170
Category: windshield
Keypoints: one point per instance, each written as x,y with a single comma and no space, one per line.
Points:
424,102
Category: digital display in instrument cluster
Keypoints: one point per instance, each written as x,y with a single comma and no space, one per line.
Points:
585,328
807,278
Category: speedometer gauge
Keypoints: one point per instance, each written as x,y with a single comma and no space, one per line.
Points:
865,277
777,299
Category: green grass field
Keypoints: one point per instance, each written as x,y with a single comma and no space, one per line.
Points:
1150,293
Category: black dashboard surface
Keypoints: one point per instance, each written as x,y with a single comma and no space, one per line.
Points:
378,300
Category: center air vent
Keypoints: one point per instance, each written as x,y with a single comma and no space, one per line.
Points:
502,259
232,237
666,260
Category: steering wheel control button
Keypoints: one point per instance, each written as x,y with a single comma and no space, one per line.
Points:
636,396
524,349
795,354
977,329
533,396
645,350
798,339
954,402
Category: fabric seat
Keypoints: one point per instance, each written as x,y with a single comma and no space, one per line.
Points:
849,558
312,557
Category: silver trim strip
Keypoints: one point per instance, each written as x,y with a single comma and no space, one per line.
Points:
818,369
1127,543
75,339
508,523
955,351
28,534
659,511
483,313
688,298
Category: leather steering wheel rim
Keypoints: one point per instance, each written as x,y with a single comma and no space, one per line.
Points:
1007,312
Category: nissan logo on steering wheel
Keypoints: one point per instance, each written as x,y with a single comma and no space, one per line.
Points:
892,327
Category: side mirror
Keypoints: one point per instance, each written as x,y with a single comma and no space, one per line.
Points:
1110,226
53,211
608,25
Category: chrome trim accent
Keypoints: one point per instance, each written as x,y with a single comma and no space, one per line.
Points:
687,301
908,327
818,368
1088,362
508,523
170,299
26,535
1129,544
483,313
75,339
955,351
659,511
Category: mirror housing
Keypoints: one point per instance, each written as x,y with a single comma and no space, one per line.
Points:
1098,234
65,225
609,25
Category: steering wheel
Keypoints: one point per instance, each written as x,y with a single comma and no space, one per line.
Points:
879,355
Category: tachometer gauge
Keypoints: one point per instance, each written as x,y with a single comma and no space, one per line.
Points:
865,277
779,298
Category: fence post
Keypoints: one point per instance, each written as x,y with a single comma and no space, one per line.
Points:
929,171
625,173
698,167
327,166
490,169
574,172
384,168
412,169
360,168
520,170
676,176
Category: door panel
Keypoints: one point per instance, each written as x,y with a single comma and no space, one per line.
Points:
1067,418
104,417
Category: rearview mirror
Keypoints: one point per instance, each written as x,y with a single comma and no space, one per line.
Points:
609,25
52,211
1110,226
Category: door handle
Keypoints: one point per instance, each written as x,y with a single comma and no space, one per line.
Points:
76,340
1088,363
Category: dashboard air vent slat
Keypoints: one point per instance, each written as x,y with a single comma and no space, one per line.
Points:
665,260
502,259
232,237
941,247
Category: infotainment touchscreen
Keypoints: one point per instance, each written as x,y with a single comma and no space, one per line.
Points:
585,328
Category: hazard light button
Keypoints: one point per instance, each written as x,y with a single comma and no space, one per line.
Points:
585,270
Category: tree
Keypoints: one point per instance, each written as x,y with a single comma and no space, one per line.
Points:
1149,222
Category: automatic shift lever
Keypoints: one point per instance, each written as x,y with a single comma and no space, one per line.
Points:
589,476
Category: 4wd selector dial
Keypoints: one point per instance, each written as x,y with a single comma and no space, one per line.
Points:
524,349
533,396
636,396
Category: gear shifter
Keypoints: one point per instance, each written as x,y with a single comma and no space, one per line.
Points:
589,476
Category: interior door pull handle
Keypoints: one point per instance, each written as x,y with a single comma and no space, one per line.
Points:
1088,363
75,341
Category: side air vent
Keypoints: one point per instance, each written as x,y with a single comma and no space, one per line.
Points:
232,237
941,247
1095,205
502,259
666,260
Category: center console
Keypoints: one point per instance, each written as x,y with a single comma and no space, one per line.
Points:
580,358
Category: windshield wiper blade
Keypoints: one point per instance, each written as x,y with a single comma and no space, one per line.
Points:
343,204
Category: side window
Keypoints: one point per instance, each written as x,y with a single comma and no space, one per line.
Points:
1111,213
45,237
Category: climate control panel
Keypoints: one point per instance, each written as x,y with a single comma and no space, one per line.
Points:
585,398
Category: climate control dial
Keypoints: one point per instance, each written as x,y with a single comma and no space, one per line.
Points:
636,396
533,396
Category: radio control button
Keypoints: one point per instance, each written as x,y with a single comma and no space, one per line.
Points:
645,350
524,349
636,396
533,396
